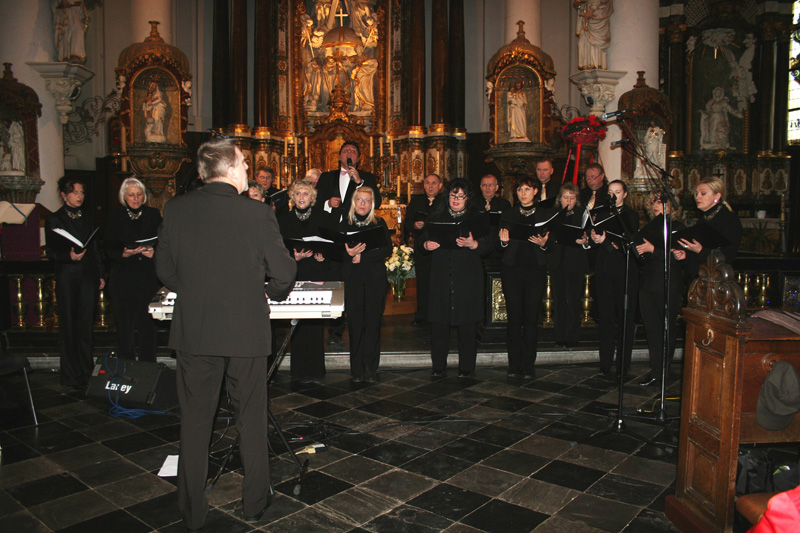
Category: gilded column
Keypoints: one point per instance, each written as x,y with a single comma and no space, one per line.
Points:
456,62
439,36
261,65
417,62
677,87
238,62
220,66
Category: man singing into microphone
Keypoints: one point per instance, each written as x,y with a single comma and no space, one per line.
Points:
335,188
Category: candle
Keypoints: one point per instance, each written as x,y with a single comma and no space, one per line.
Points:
285,146
305,147
398,186
391,145
371,150
408,198
123,147
295,147
380,147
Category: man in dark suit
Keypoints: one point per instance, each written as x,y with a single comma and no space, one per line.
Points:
335,188
595,193
215,250
490,185
544,173
420,207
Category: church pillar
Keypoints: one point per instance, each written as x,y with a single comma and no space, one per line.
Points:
220,66
779,137
761,116
528,11
634,47
456,62
238,57
677,87
417,55
143,11
439,41
261,85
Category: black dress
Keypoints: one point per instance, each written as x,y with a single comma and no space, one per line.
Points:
132,281
724,221
420,203
456,297
609,282
524,277
651,293
365,289
568,264
308,352
77,283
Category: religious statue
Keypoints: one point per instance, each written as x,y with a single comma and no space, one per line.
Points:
16,142
714,125
322,9
311,40
155,110
516,110
360,12
744,89
362,76
594,32
70,22
187,88
653,149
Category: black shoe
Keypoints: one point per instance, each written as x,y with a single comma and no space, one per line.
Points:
604,372
650,380
464,374
371,378
529,374
437,373
514,373
259,515
357,379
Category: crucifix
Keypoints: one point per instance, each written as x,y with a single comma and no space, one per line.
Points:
341,16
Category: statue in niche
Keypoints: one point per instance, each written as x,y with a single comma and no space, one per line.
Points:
70,22
360,12
654,149
16,144
516,110
322,9
155,109
594,32
744,89
715,127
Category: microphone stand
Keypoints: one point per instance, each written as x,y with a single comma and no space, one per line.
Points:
666,197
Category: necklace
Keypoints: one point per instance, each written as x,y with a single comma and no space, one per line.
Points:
362,223
526,211
303,216
456,214
132,215
76,214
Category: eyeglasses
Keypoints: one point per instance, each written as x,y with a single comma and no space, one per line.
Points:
458,196
362,200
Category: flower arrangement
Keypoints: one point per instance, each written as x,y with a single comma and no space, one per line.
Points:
583,130
400,266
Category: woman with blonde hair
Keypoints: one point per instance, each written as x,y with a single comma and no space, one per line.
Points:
133,281
308,352
709,195
365,285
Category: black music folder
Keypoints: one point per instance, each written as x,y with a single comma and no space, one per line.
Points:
547,203
279,199
374,237
421,216
702,233
446,233
70,237
494,217
151,242
326,247
546,226
518,231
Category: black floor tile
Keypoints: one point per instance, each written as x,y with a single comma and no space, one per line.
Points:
321,409
568,475
407,518
392,453
316,487
506,404
569,432
46,489
626,490
498,435
437,465
649,521
157,512
520,463
383,407
469,449
498,516
133,443
449,501
118,521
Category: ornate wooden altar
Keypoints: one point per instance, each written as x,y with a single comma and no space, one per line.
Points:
726,358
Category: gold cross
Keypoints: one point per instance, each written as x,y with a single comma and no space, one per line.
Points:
341,16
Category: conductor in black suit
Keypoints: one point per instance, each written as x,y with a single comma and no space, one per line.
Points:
420,207
335,188
215,250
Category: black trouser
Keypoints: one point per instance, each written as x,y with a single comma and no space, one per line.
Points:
199,380
567,290
131,296
364,301
467,346
523,288
651,307
76,294
610,287
308,349
422,267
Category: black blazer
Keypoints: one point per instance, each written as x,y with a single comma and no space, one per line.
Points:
328,187
729,226
523,253
419,203
121,230
601,198
215,249
551,186
57,247
497,204
293,228
372,264
568,257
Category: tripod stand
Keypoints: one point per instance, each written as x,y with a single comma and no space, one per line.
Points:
302,467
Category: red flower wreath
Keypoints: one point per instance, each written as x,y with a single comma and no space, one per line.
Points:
584,130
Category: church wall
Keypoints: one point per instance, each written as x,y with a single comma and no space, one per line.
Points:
193,29
27,35
483,27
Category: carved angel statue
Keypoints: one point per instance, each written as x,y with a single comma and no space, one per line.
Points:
715,127
744,88
489,90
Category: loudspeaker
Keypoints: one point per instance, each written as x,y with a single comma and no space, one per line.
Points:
134,384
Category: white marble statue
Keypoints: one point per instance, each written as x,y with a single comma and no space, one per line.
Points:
517,109
16,142
311,40
70,22
322,10
155,110
594,32
654,150
715,127
362,76
744,88
359,11
187,88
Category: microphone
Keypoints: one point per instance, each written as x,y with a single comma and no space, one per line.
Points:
349,162
614,114
621,142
